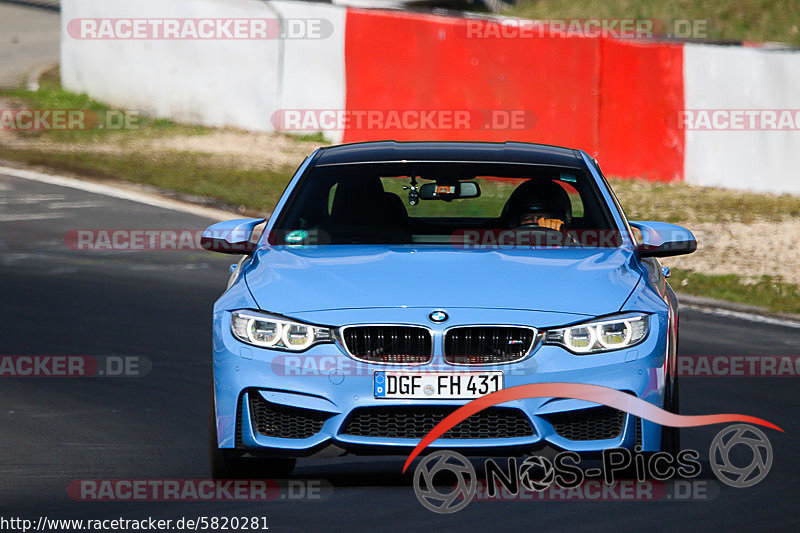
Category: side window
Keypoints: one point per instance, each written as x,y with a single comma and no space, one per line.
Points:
331,196
634,236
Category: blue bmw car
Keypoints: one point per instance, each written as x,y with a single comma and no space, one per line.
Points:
395,282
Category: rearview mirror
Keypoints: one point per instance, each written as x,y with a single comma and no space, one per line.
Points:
231,236
437,191
660,239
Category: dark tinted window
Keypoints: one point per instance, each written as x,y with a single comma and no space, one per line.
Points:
374,203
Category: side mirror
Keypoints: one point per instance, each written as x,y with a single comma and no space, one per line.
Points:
461,189
231,237
660,239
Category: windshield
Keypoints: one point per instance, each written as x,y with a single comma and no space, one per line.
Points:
465,204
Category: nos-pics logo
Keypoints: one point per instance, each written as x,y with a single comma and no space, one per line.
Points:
446,482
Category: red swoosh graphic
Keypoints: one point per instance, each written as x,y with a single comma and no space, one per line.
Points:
580,391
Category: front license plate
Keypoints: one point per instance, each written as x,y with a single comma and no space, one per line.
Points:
436,385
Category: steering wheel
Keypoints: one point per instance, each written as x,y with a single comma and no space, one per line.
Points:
536,226
568,238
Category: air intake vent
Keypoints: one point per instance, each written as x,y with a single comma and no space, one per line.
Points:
596,423
273,420
412,422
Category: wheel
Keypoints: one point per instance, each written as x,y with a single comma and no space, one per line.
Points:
227,464
671,436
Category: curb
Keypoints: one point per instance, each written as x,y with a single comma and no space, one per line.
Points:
131,192
33,78
215,209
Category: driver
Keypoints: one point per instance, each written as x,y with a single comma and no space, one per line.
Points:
541,203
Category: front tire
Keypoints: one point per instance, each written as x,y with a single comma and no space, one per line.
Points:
671,436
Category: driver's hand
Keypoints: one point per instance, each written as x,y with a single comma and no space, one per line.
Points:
552,223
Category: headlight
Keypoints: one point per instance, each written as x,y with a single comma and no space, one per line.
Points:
268,331
603,335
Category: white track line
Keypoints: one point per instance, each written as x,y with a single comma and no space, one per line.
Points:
118,192
764,319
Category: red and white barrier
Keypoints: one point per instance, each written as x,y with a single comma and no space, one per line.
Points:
313,70
617,99
636,105
737,82
221,82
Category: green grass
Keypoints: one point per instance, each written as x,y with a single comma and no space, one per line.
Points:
681,203
766,291
218,178
184,172
316,137
734,20
51,96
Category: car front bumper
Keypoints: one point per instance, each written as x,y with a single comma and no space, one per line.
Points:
328,383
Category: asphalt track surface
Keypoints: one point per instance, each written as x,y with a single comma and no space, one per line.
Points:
56,301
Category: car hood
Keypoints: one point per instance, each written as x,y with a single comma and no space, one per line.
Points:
585,281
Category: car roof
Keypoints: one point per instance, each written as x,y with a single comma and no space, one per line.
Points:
487,152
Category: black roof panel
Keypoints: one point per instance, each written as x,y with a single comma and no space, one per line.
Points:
509,152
